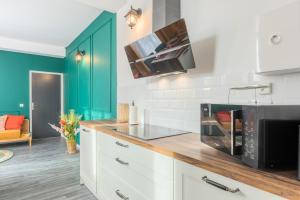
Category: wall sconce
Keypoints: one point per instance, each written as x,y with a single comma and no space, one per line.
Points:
79,56
132,16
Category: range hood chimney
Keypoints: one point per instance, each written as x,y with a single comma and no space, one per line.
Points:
165,12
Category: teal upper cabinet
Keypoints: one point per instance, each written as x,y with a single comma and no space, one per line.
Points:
84,83
92,82
101,75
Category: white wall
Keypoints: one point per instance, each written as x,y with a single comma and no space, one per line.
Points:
223,36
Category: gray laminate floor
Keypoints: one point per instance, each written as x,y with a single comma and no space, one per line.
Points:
44,172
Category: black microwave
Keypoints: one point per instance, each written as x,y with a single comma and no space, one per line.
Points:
264,137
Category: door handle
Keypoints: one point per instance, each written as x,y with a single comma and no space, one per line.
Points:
220,186
122,196
121,161
85,130
122,145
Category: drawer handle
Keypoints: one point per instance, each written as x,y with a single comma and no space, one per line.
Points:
122,196
86,130
220,186
122,145
121,162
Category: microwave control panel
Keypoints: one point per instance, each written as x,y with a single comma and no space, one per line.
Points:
250,138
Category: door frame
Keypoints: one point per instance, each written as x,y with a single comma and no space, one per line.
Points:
30,92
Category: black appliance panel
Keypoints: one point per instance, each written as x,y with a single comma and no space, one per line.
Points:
250,136
278,144
253,129
147,131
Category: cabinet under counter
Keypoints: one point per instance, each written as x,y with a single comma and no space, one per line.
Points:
148,174
189,150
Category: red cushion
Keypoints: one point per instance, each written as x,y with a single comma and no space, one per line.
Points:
3,122
224,116
14,122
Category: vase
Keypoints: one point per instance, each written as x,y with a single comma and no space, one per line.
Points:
71,146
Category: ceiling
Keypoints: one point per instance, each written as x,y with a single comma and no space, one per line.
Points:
51,24
110,5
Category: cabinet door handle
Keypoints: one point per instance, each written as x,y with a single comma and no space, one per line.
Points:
85,130
122,145
121,162
220,186
122,196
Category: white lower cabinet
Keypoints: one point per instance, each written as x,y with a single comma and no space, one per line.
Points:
114,169
112,187
129,172
193,183
88,157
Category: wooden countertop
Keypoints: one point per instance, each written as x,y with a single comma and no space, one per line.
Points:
189,149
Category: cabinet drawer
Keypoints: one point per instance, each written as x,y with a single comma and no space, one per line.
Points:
113,188
147,161
193,183
151,184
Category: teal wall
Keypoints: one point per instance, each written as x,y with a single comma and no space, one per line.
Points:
14,78
91,84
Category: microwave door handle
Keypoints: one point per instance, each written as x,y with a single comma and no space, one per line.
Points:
232,135
235,114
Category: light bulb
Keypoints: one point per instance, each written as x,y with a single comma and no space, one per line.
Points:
78,57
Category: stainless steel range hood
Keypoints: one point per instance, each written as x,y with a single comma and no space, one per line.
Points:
165,12
164,52
168,49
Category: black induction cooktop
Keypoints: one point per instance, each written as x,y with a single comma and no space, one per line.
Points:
146,131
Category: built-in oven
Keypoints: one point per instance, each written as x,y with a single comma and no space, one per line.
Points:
222,127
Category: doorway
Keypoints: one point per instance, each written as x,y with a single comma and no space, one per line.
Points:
46,103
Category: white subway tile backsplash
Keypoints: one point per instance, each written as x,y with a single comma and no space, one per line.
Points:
157,94
176,104
180,107
170,94
186,93
192,125
192,105
193,115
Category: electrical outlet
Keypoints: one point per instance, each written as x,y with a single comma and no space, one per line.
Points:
265,91
21,105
